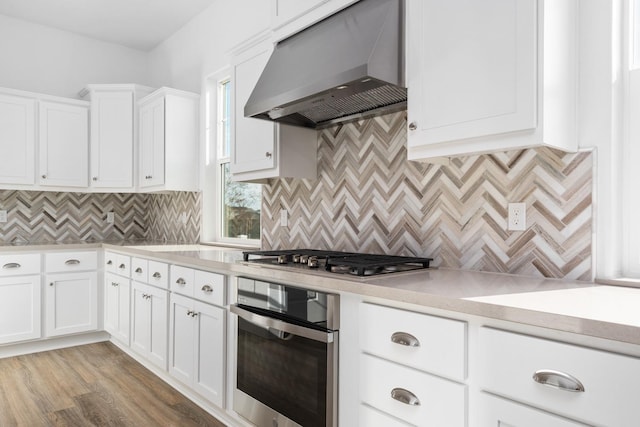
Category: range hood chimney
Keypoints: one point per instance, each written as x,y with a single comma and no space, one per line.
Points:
344,68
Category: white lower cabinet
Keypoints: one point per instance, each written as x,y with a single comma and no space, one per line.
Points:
117,291
20,308
149,308
197,346
71,303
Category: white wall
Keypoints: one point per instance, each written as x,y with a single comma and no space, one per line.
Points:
43,59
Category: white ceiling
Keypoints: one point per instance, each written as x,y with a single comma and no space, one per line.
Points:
139,24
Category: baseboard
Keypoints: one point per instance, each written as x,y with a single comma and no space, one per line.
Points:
47,344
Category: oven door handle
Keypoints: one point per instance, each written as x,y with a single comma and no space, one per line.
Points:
281,328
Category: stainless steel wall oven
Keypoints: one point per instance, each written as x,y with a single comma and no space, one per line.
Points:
287,355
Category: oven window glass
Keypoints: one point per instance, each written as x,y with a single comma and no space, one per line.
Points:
288,375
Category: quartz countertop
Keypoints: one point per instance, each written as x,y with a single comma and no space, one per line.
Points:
609,312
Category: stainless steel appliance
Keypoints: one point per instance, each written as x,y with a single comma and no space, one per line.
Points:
287,355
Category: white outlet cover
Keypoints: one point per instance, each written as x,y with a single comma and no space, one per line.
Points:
517,220
3,216
284,218
111,217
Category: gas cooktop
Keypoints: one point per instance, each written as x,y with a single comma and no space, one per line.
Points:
358,264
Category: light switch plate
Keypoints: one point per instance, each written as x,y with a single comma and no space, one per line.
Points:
111,217
284,218
3,216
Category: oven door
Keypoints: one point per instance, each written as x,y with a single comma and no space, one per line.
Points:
286,372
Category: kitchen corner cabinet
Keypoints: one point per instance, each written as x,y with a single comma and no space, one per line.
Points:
113,134
17,138
169,138
490,75
261,149
64,143
71,292
20,289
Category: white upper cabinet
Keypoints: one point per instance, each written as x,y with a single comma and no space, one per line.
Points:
290,16
169,141
113,134
17,139
261,149
64,143
490,75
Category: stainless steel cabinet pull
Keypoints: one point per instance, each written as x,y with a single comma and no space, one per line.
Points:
138,270
208,289
157,275
268,155
72,262
194,314
109,262
181,281
11,265
413,126
114,284
189,313
148,177
95,178
405,396
51,284
122,266
558,380
44,176
404,338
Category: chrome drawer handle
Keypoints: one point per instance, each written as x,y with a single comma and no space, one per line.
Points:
406,339
156,275
138,270
11,265
181,281
413,126
208,289
558,380
405,396
72,262
122,266
109,262
114,284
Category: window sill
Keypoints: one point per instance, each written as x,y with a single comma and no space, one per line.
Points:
620,281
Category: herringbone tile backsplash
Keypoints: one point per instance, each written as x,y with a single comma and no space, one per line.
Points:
43,217
369,198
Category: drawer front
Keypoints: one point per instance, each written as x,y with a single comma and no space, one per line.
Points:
441,402
19,264
158,273
181,280
123,265
508,362
110,260
62,262
431,344
209,287
139,269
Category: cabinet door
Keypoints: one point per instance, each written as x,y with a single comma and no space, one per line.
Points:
17,139
152,139
149,328
64,145
19,309
287,10
140,319
117,316
182,338
71,303
209,351
112,139
471,69
253,146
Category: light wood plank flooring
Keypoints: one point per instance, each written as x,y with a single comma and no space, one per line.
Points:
90,385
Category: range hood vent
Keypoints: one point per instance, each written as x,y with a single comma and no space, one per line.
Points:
347,67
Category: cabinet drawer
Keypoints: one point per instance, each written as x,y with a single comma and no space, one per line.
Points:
429,343
18,264
158,274
59,262
508,362
139,269
123,265
110,262
209,287
441,402
181,280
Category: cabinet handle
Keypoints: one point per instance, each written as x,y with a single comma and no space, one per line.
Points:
405,396
157,275
114,284
181,281
51,284
406,339
413,126
189,313
194,314
72,262
122,266
558,380
138,270
11,265
208,289
109,262
95,178
148,177
44,176
268,154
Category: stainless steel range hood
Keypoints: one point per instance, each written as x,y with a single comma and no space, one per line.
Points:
346,67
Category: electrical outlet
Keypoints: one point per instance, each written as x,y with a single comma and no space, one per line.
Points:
3,216
111,217
284,218
517,217
183,218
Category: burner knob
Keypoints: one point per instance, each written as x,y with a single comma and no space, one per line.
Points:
282,259
304,259
296,258
313,262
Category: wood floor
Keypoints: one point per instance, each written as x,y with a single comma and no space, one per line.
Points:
91,385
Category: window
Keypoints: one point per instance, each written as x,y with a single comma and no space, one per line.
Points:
231,210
